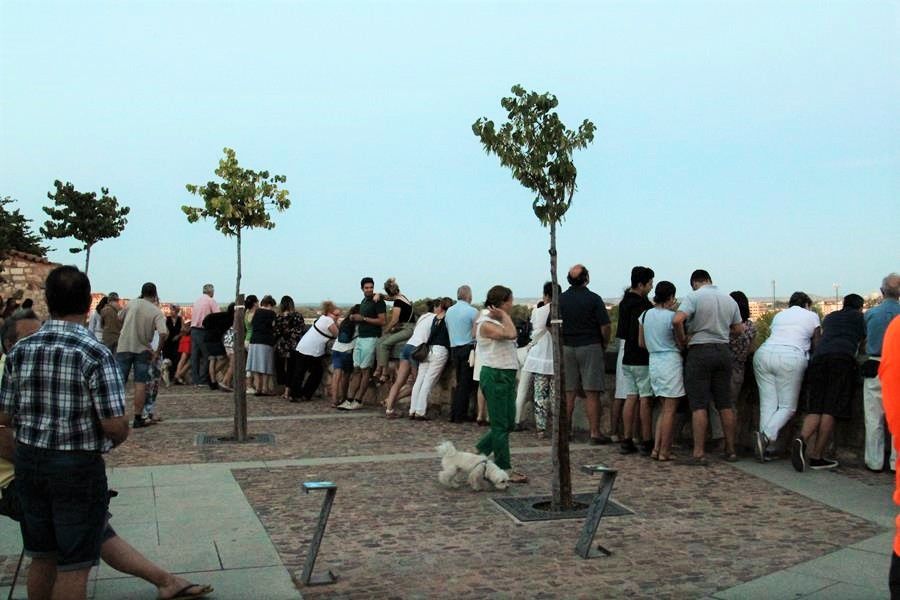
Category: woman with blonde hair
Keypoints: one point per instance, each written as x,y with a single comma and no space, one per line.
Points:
399,328
309,352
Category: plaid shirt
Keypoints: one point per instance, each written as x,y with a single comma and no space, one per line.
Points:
58,384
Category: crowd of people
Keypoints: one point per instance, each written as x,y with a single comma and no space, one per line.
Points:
676,361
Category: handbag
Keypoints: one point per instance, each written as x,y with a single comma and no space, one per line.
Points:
420,354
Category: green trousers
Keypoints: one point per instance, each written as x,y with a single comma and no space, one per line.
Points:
387,343
499,387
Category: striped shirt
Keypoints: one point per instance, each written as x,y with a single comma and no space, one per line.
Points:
58,384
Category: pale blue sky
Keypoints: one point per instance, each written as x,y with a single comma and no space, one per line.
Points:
759,140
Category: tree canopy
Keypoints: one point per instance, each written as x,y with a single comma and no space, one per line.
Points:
240,201
16,232
83,216
537,147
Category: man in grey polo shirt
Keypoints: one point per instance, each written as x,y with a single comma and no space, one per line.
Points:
712,316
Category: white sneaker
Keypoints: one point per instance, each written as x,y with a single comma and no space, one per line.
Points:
355,405
345,405
250,390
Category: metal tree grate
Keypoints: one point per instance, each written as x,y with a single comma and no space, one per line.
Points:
205,439
537,508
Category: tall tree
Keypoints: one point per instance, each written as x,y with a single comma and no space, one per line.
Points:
241,201
83,216
537,147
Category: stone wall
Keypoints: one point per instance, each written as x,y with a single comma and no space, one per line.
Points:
23,277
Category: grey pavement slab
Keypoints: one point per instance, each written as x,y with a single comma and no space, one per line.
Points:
856,567
782,585
10,539
268,583
880,544
845,591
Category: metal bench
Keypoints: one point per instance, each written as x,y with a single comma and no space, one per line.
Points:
585,546
307,577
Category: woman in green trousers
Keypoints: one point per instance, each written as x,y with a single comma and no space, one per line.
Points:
495,335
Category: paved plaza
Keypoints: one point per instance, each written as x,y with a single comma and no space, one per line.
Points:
235,516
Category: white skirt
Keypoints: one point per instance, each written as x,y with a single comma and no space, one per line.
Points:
667,374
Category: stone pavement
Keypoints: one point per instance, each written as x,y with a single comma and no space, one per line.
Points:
234,516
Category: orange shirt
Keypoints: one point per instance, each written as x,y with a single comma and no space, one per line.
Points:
889,373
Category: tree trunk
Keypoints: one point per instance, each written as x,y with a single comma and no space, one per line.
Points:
87,259
239,382
562,471
237,285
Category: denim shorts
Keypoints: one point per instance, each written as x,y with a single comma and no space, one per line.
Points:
342,361
64,505
141,363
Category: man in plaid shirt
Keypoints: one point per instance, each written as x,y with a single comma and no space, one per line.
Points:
62,392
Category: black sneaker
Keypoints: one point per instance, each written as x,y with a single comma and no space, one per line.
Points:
798,454
627,447
139,422
646,448
602,440
822,463
213,385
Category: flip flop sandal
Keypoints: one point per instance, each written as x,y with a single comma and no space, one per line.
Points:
516,477
183,593
697,462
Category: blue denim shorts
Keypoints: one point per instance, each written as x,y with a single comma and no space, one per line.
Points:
141,363
342,361
64,505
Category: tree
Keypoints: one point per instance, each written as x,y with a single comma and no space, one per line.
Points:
240,202
81,215
537,147
16,233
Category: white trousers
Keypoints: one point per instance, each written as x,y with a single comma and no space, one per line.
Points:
429,372
874,413
524,393
779,376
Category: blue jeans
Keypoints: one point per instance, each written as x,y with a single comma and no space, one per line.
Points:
139,360
64,504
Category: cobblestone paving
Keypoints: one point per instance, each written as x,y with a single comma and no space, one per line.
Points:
394,532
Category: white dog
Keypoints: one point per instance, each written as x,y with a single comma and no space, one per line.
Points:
480,472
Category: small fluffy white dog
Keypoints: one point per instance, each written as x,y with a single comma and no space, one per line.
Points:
480,472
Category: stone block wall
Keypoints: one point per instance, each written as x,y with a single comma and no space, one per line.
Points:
23,277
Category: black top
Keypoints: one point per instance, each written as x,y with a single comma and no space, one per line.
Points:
630,308
583,314
439,335
215,325
262,327
173,324
842,331
370,309
406,310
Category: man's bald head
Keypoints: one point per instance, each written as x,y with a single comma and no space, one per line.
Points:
890,286
578,276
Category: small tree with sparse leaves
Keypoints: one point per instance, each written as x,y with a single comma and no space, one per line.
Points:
241,201
537,147
83,216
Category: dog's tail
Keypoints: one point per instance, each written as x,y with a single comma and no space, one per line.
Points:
446,448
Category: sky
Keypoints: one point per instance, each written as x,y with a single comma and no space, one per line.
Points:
758,140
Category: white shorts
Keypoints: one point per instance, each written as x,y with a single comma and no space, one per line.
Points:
637,380
620,376
667,374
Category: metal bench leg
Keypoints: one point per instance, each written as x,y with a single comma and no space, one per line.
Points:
12,586
584,547
307,577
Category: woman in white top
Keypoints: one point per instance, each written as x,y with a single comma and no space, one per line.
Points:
407,365
309,352
539,362
432,367
496,347
779,365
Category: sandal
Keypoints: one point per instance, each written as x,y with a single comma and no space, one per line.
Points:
654,455
731,457
697,461
391,414
516,477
